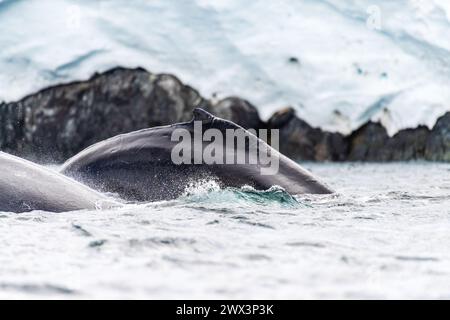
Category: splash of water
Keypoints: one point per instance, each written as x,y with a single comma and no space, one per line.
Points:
209,191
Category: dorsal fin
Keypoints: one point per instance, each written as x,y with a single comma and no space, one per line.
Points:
202,115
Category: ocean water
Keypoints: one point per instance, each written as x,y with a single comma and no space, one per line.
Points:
384,234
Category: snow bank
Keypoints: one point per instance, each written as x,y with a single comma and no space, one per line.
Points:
339,63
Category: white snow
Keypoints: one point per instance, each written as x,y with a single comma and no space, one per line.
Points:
357,60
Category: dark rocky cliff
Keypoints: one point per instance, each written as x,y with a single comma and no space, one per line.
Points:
59,121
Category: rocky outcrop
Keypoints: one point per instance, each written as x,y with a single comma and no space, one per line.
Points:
370,142
239,111
437,146
58,122
300,141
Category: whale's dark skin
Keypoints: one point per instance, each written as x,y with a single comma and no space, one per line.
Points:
138,166
25,186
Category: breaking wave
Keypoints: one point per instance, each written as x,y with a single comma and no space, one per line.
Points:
210,192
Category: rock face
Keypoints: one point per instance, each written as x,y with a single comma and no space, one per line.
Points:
60,121
438,141
300,141
57,122
239,111
371,142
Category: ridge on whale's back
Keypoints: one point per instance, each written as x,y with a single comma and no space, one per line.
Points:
139,165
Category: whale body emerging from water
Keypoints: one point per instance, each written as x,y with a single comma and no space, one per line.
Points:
25,186
139,166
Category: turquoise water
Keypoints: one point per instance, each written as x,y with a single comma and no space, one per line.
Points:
384,234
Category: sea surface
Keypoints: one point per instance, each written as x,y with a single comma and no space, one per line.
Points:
384,234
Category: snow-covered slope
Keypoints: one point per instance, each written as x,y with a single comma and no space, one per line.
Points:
339,63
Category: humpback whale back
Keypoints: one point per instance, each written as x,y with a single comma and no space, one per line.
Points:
25,186
139,166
